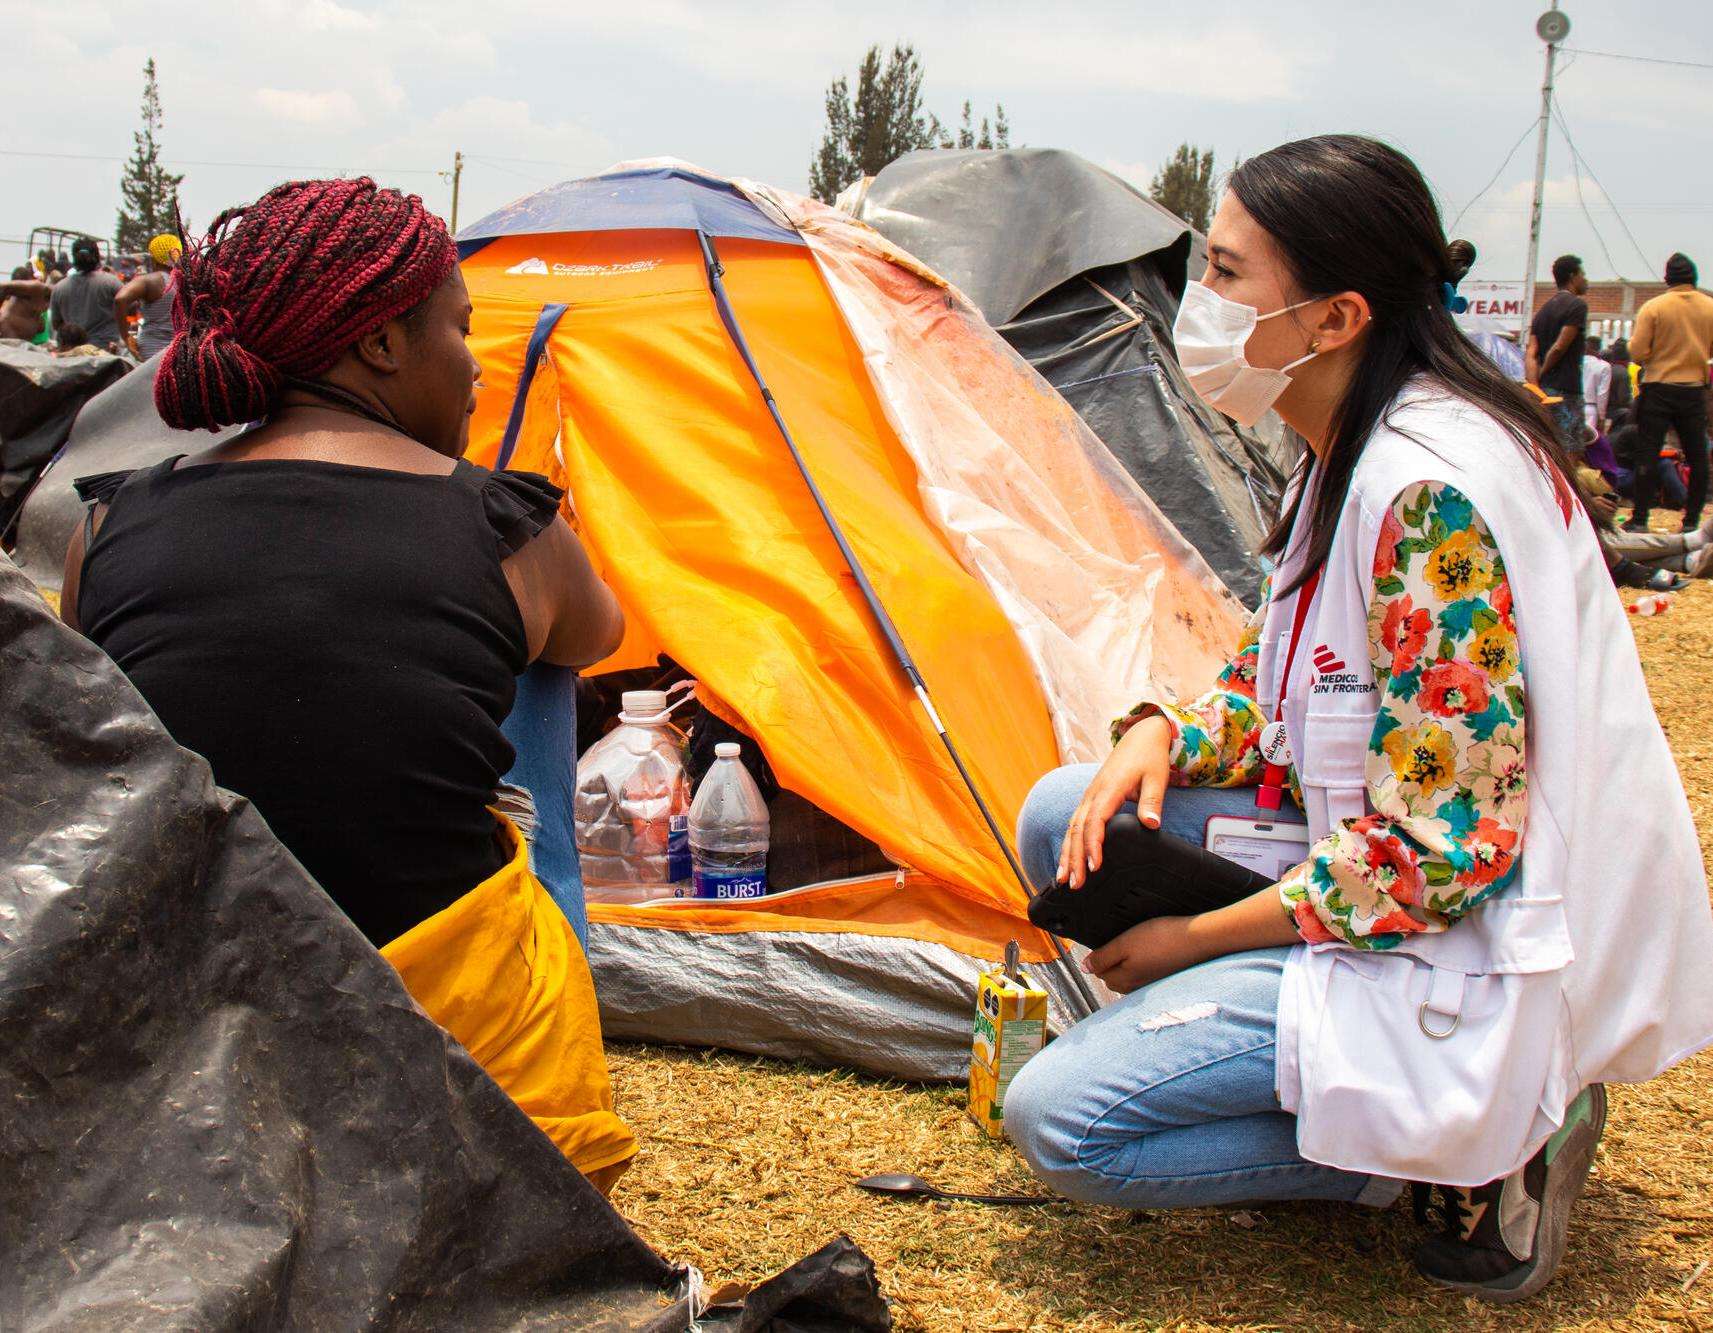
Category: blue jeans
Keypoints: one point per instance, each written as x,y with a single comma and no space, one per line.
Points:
1166,1099
1571,422
542,728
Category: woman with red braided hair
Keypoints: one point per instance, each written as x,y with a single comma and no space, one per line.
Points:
332,607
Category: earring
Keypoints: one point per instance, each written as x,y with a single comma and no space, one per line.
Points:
1315,345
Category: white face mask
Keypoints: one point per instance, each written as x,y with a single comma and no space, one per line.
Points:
1211,333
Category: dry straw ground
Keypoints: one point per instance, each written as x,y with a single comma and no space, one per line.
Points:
748,1165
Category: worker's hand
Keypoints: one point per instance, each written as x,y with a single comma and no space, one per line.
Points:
1603,507
1146,952
1136,770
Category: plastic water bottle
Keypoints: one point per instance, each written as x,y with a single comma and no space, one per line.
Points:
632,808
728,831
1652,605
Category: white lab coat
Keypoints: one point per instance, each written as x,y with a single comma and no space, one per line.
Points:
1452,1058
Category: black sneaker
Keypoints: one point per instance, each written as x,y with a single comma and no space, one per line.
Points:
1637,524
1503,1240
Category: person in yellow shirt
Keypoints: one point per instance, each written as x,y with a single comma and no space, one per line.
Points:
1673,342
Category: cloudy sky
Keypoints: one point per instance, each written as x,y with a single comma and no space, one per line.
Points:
535,91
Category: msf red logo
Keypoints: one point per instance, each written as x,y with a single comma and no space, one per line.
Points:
1333,677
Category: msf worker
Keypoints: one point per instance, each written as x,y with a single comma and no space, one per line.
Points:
1471,946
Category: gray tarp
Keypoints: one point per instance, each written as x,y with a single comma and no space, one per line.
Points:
40,395
117,430
1006,228
219,1108
1082,274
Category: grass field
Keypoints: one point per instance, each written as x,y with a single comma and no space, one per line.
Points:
748,1164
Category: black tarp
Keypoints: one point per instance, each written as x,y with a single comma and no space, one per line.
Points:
40,395
834,1290
1082,274
219,1108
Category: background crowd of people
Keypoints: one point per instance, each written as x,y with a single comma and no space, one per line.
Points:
1634,416
86,302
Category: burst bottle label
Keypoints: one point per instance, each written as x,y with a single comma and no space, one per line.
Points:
731,885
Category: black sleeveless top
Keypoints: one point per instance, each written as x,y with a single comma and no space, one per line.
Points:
340,644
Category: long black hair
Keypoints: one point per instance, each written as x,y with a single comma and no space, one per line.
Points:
1352,214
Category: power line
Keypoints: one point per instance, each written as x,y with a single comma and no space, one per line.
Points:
494,162
1527,130
494,165
1576,175
1565,208
532,162
1564,127
70,157
1646,60
194,162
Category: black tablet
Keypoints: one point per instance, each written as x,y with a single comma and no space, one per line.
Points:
1143,873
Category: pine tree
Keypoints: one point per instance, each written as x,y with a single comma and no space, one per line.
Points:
1185,185
966,135
996,136
831,170
148,191
884,120
881,122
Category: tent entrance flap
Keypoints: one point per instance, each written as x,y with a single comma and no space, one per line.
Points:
907,664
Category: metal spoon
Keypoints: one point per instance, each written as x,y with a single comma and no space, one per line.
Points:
896,1182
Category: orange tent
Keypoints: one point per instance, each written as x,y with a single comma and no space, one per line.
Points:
636,331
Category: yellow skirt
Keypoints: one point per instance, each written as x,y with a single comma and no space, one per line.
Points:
501,970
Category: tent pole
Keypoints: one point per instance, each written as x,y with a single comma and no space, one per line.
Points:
907,664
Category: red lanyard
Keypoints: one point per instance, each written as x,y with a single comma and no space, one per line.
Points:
1272,792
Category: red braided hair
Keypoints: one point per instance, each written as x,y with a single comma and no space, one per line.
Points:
280,288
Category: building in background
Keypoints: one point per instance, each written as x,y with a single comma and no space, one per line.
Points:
1612,305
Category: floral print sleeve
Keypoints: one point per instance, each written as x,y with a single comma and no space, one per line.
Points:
1445,772
1214,738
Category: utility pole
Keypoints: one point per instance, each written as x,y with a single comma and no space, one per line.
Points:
1552,27
458,173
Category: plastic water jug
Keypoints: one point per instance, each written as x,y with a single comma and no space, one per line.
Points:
728,831
632,806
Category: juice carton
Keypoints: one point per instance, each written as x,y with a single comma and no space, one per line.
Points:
1010,1025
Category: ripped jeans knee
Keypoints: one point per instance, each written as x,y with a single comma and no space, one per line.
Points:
1166,1098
